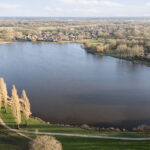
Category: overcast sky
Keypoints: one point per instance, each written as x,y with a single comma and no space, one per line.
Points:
75,8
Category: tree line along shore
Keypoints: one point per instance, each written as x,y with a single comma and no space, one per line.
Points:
18,105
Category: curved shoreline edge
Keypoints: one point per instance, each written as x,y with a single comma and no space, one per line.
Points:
19,132
133,60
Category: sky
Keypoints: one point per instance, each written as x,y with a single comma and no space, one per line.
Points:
75,8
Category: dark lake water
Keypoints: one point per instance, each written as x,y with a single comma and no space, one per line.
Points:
65,84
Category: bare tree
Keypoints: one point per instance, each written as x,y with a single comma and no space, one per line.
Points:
27,108
106,47
100,48
19,35
45,143
0,100
137,51
4,95
121,49
112,43
87,45
8,34
16,106
147,45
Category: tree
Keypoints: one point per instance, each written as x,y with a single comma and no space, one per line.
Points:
147,45
4,95
100,48
122,49
0,100
16,106
19,35
45,143
137,51
27,108
106,47
87,45
112,43
8,34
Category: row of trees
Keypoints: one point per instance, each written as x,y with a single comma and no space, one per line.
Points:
22,104
121,47
124,50
17,105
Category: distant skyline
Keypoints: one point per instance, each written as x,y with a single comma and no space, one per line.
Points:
75,8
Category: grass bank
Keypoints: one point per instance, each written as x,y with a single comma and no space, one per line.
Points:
4,42
14,142
132,59
45,127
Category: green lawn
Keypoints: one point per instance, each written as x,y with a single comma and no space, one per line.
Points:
48,28
77,143
12,141
15,28
74,143
8,140
44,127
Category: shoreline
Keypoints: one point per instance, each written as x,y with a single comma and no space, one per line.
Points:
3,42
57,42
133,60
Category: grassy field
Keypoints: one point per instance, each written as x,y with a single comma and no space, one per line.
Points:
77,143
12,141
63,27
8,140
44,127
15,28
73,143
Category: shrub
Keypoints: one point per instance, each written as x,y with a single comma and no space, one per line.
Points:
45,143
142,128
100,48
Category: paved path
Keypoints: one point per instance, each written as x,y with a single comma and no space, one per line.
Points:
87,136
70,135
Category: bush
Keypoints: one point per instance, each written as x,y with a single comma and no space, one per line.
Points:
45,143
142,128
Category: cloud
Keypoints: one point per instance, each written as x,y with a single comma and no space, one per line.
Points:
57,9
84,2
88,10
91,8
146,15
147,4
110,4
76,8
93,2
7,6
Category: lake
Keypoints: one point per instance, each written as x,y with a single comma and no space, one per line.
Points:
65,84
